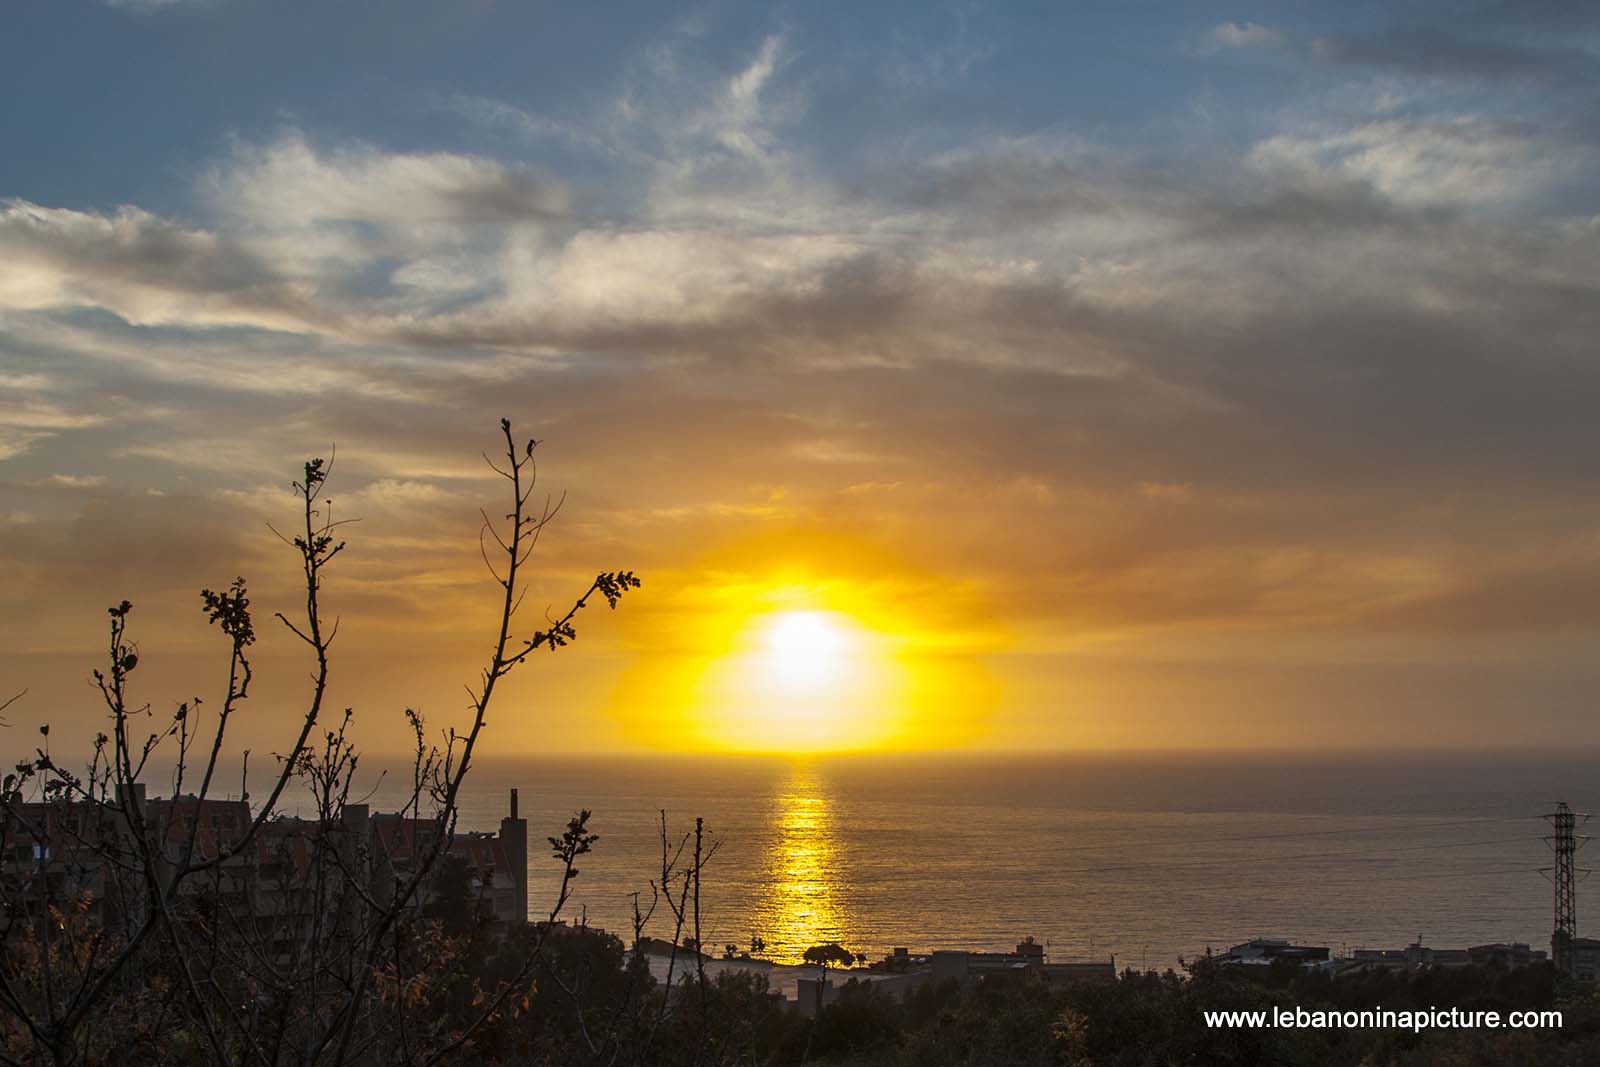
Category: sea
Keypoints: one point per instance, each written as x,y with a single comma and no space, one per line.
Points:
1150,858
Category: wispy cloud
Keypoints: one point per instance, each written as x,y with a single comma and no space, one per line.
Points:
67,481
1244,35
1441,159
288,183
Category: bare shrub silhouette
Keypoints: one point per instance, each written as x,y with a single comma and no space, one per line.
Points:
200,930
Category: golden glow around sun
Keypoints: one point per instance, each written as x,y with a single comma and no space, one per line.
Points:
804,648
754,652
800,679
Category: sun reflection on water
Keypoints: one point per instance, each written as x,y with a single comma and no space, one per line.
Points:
800,903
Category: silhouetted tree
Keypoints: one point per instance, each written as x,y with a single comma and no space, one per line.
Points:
136,931
825,956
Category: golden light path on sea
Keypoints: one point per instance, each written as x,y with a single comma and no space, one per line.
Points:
801,903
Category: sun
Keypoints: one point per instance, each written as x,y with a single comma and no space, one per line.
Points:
804,642
804,648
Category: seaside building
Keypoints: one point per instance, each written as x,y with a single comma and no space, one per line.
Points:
1027,961
1417,957
1506,954
1266,951
1586,958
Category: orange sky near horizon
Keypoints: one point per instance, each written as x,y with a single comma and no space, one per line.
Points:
794,638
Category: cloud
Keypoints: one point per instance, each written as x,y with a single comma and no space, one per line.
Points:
288,183
67,481
739,120
1440,159
132,262
15,442
27,417
1429,51
1475,48
1244,35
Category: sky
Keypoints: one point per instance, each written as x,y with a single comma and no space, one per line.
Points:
1079,376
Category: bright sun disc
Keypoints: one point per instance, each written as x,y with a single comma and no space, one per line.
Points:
804,647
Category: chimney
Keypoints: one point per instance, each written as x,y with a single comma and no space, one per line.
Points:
514,837
136,792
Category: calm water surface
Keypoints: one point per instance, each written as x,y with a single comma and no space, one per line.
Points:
1150,858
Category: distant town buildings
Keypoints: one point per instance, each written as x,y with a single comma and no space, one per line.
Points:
56,852
1417,956
1265,952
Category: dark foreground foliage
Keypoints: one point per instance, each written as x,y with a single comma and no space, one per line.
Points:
590,1003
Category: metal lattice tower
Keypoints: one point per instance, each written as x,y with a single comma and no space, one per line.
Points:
1564,842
